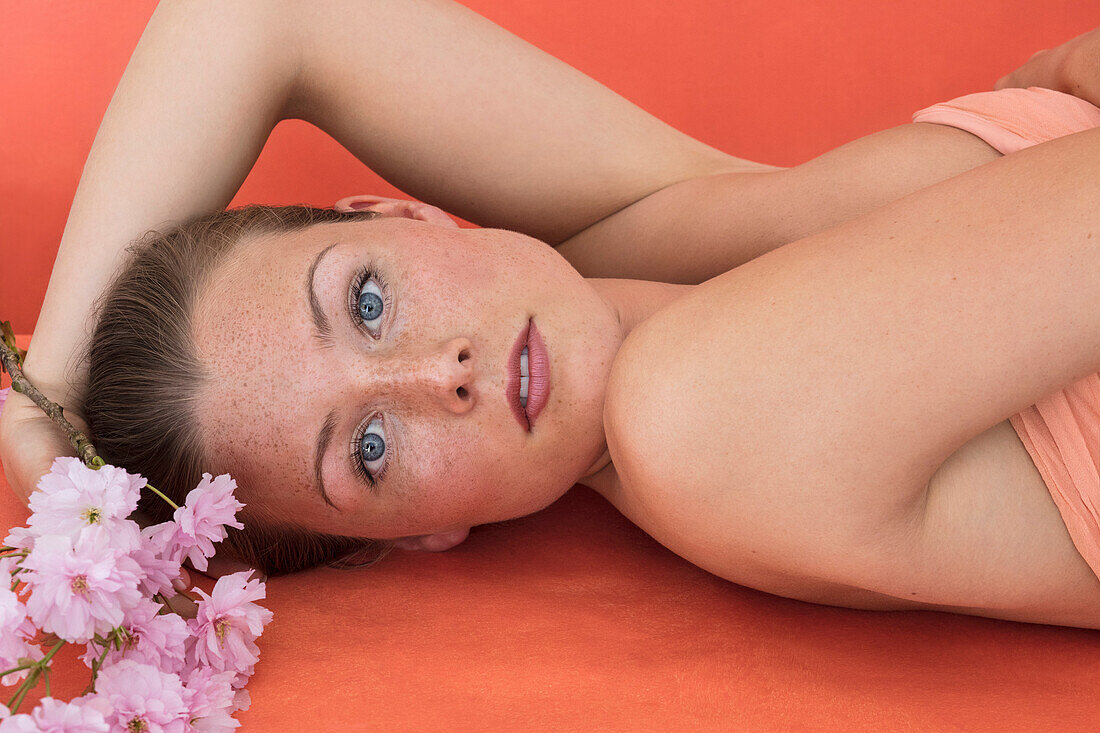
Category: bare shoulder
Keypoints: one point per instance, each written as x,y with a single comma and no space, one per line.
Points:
698,516
985,538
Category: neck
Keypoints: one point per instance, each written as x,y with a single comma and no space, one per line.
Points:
632,301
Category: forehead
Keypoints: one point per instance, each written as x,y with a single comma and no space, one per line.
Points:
257,301
251,332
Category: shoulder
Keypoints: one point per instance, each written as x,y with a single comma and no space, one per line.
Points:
718,493
659,484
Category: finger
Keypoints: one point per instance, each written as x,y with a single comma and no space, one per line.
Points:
182,605
183,582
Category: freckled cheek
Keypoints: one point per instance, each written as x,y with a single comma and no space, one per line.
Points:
453,476
457,274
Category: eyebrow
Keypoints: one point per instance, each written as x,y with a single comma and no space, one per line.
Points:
323,333
322,328
323,439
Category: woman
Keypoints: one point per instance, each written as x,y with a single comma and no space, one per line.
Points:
866,485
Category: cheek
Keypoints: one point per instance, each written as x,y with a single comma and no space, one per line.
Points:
453,475
452,273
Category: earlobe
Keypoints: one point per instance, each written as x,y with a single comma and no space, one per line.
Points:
433,542
396,207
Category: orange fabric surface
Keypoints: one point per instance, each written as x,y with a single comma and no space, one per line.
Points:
574,619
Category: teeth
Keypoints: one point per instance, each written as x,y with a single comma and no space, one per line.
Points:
524,377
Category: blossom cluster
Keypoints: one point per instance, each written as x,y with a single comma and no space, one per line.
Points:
83,572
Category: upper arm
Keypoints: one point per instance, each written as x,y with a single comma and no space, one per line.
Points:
458,112
990,540
808,396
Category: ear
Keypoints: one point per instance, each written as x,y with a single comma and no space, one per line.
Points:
396,207
433,542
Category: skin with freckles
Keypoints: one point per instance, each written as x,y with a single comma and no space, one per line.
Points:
432,369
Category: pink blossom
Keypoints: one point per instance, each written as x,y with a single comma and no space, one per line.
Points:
57,716
16,631
23,651
79,591
228,623
210,699
21,538
13,614
241,699
3,397
210,507
140,694
154,558
149,637
8,565
72,498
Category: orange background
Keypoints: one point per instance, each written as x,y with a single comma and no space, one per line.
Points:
573,618
778,81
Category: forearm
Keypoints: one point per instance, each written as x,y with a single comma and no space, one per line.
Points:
195,105
700,228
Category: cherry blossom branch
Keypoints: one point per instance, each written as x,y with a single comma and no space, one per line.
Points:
11,359
32,679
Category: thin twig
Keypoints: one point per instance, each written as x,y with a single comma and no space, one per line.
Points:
11,360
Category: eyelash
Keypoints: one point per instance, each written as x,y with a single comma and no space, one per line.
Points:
357,459
367,272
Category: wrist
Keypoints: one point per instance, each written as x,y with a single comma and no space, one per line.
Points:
53,385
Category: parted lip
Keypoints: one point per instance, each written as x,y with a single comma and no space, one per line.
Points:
538,388
538,385
511,390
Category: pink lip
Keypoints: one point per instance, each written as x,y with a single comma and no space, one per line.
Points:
538,386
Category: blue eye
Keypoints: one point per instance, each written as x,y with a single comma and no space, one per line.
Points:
370,447
370,305
368,299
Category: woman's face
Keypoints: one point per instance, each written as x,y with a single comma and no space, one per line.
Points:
421,369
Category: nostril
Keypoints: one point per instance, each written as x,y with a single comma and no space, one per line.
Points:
462,392
463,355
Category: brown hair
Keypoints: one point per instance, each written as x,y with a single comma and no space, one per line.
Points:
144,375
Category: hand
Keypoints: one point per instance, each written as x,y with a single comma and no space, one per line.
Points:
219,565
29,443
1073,68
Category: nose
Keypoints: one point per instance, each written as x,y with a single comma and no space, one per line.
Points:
440,375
